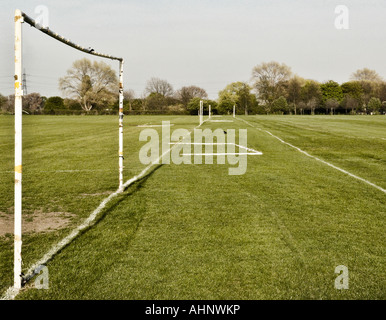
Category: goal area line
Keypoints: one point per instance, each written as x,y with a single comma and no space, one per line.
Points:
250,151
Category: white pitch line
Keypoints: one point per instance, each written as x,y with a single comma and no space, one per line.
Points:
220,120
320,160
154,125
222,154
11,293
253,151
64,171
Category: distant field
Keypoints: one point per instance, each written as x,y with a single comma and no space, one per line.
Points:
193,231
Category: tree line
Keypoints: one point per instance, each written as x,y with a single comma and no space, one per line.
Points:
90,88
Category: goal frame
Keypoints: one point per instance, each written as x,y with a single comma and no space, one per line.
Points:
21,17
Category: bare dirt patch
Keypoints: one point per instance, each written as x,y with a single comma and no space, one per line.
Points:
36,222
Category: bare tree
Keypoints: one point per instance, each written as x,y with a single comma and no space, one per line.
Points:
293,89
269,78
185,94
350,103
9,104
302,106
3,102
162,87
312,104
332,104
366,74
32,102
90,83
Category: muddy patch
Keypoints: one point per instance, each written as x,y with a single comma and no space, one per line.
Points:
36,222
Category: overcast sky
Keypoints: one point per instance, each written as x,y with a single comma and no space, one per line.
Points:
209,43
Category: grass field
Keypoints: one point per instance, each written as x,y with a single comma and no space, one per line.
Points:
193,231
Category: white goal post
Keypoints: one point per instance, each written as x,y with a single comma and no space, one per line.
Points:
21,17
201,112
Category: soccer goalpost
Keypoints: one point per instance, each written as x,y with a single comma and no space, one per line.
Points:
201,112
21,17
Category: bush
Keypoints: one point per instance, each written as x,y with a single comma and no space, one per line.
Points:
52,104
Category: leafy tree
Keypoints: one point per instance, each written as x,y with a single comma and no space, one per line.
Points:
90,83
369,89
72,104
54,103
382,91
226,102
185,94
331,90
194,106
352,88
246,99
270,79
331,93
138,104
374,105
155,102
382,110
280,105
239,94
352,93
311,96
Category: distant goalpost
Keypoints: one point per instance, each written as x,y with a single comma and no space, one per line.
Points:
21,17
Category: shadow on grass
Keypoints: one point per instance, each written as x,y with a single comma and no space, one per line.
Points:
128,191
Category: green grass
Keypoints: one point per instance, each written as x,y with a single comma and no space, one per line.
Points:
193,231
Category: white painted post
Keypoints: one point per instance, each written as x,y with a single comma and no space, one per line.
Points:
210,110
121,124
234,111
201,111
18,152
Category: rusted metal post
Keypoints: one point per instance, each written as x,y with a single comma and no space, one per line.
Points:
121,124
18,152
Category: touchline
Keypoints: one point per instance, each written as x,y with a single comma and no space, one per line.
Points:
176,147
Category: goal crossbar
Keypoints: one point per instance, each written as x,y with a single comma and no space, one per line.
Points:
21,17
68,42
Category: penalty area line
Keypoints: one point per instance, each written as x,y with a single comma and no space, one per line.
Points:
318,159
